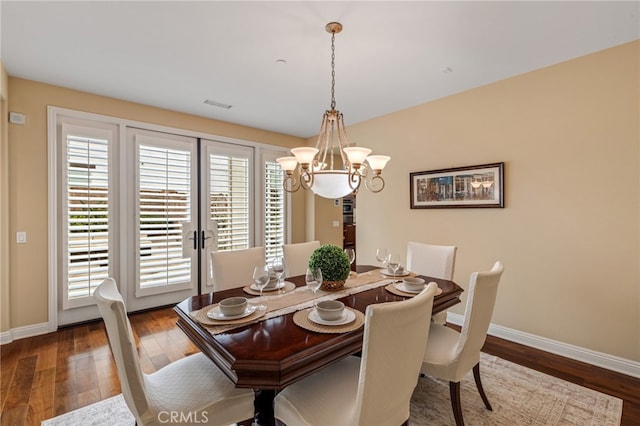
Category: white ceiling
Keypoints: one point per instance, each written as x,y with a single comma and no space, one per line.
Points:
389,56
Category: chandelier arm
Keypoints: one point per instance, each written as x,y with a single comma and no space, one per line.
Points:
341,144
324,136
355,179
371,187
320,143
331,137
290,183
306,178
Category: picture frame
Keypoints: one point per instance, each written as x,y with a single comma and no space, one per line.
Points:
459,187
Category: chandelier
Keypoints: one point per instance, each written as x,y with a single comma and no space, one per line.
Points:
313,168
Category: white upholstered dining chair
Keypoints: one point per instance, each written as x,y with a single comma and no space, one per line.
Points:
450,354
296,257
234,268
192,386
433,261
375,389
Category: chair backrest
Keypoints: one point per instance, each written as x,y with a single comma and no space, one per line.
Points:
391,360
481,298
431,260
123,347
296,257
234,268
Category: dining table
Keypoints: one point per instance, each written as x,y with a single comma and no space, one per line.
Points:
274,351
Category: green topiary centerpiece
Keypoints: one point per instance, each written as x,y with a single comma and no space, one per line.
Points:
334,264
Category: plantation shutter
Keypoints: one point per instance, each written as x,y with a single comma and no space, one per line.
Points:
87,209
229,203
166,218
274,207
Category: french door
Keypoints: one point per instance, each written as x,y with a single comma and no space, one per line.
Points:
162,230
150,211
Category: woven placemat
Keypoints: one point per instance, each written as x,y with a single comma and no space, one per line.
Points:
202,317
301,318
391,288
288,286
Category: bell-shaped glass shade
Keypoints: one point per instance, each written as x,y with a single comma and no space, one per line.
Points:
377,162
357,154
288,164
304,155
332,183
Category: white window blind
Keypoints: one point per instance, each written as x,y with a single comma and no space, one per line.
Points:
229,200
164,205
274,206
87,215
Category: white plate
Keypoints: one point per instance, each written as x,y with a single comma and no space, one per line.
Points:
347,316
214,313
276,287
388,273
402,287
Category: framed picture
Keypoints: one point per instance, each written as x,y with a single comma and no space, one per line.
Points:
460,187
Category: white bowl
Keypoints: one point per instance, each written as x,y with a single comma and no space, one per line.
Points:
413,284
330,310
233,306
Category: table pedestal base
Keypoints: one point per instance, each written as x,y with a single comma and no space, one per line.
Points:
263,405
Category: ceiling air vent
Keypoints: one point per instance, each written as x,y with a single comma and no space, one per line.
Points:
217,104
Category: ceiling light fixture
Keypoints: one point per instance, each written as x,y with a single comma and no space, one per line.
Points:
308,167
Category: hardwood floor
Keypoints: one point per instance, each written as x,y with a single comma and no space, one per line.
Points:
45,376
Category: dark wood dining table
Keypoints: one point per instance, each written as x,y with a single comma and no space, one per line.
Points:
274,353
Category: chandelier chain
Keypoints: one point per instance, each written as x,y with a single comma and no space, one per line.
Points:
333,70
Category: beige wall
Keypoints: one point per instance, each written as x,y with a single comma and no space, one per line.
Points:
569,235
28,179
328,213
4,202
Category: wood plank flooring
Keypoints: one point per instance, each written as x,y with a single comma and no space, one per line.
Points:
45,376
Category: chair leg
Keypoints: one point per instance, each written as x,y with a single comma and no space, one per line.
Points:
454,393
476,376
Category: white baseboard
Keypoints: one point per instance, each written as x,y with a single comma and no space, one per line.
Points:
6,337
599,359
23,332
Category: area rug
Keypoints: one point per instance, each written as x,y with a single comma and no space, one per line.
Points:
519,396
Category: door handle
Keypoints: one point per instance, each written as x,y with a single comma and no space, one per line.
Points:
203,239
195,240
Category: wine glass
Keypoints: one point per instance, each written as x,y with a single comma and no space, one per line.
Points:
260,280
313,278
381,256
277,264
394,263
351,254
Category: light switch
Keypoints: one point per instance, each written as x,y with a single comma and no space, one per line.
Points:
336,223
21,237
